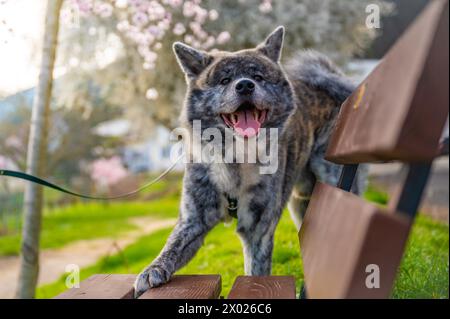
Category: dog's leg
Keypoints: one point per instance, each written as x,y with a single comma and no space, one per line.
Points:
258,246
300,196
256,228
199,214
297,206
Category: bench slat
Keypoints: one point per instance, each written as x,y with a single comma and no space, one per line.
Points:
187,287
340,236
102,287
263,287
399,111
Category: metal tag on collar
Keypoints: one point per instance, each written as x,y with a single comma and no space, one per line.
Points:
232,206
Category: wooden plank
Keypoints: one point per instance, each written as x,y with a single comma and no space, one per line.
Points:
102,287
399,111
263,287
341,236
187,287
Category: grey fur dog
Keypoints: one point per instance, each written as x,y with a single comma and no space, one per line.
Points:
246,91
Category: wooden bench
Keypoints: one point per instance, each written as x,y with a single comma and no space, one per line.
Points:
397,114
184,287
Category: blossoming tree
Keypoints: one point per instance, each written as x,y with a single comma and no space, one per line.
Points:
143,76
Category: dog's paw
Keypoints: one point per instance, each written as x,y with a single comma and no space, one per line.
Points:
151,277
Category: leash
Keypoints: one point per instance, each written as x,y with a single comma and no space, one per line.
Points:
232,202
37,180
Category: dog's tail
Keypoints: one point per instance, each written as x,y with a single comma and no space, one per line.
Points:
317,71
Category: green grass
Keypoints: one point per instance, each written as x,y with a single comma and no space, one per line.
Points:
423,272
90,220
374,195
170,182
221,253
424,269
131,260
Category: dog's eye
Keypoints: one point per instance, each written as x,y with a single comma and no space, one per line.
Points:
225,81
258,78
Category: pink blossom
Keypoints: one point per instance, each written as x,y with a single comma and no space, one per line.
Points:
7,163
151,94
85,6
3,161
156,11
147,38
210,41
201,34
196,44
265,6
123,25
107,172
157,46
142,5
147,22
195,26
163,25
179,29
200,15
121,4
135,3
149,56
140,19
173,3
223,37
213,15
104,10
189,9
188,38
155,31
148,66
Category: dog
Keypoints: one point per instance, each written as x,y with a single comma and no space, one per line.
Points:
245,92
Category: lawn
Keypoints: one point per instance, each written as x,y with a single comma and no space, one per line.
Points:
423,272
88,220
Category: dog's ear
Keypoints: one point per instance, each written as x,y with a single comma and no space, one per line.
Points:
273,44
192,61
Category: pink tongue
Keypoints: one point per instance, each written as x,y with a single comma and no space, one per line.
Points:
247,125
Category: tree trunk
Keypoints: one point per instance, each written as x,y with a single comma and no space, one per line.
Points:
37,149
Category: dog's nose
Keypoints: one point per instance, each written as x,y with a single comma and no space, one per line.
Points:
245,87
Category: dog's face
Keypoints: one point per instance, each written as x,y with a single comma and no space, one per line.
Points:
245,90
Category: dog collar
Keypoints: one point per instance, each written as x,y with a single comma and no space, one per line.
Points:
232,206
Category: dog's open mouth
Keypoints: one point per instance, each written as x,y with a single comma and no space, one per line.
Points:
246,120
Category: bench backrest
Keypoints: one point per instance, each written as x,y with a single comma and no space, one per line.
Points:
351,248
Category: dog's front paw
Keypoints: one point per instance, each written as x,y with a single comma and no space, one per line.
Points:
152,276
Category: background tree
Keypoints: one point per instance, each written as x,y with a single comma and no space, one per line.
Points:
36,156
72,136
144,77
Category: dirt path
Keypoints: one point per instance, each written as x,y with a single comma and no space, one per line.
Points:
82,253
